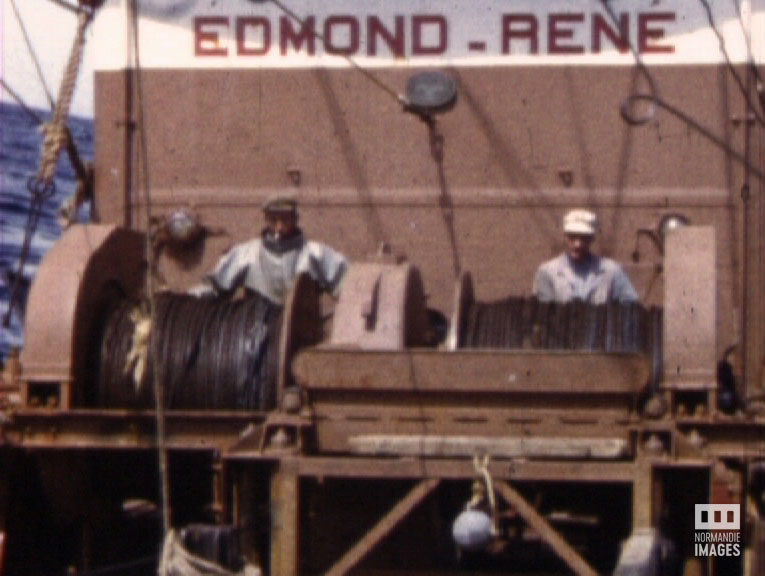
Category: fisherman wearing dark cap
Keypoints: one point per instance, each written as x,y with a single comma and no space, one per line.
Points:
270,263
577,273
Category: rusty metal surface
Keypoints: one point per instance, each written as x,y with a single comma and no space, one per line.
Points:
454,446
454,469
503,151
477,393
381,307
691,309
522,145
125,429
471,372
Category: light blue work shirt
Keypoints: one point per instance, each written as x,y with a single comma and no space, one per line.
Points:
597,280
270,268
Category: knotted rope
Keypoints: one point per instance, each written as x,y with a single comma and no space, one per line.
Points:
55,138
56,132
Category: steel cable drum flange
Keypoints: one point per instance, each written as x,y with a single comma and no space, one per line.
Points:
76,283
301,326
382,306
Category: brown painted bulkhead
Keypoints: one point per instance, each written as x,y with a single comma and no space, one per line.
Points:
522,145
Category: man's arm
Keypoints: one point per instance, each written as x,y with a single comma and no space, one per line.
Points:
228,274
327,267
622,288
543,288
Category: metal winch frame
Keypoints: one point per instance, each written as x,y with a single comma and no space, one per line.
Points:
372,403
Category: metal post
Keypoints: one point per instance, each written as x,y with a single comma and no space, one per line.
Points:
285,504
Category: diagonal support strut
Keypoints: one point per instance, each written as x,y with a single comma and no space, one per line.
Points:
549,534
386,524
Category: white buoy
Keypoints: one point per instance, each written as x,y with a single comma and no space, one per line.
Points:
473,530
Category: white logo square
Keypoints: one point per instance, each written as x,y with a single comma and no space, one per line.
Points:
718,517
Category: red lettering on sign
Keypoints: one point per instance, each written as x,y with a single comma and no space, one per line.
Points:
522,27
419,23
288,35
395,41
566,33
620,39
331,25
647,33
556,32
242,25
207,36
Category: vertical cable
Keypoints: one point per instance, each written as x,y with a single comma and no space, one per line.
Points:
156,366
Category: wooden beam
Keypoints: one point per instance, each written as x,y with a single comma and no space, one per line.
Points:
450,446
559,544
285,530
581,472
386,524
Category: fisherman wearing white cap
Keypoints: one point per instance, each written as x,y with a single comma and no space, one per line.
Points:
578,274
270,263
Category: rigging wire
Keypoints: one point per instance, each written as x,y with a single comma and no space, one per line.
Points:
653,98
704,131
745,89
34,116
375,225
35,59
400,98
56,136
643,69
753,73
74,157
67,6
746,93
156,367
759,81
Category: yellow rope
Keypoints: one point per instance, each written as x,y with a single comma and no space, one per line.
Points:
481,466
56,133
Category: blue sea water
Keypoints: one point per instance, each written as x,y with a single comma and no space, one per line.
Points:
20,140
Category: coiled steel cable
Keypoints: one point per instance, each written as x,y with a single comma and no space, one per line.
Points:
526,323
515,323
216,354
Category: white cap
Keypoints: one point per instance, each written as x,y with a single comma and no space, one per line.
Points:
580,222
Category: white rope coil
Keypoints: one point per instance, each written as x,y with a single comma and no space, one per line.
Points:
177,561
